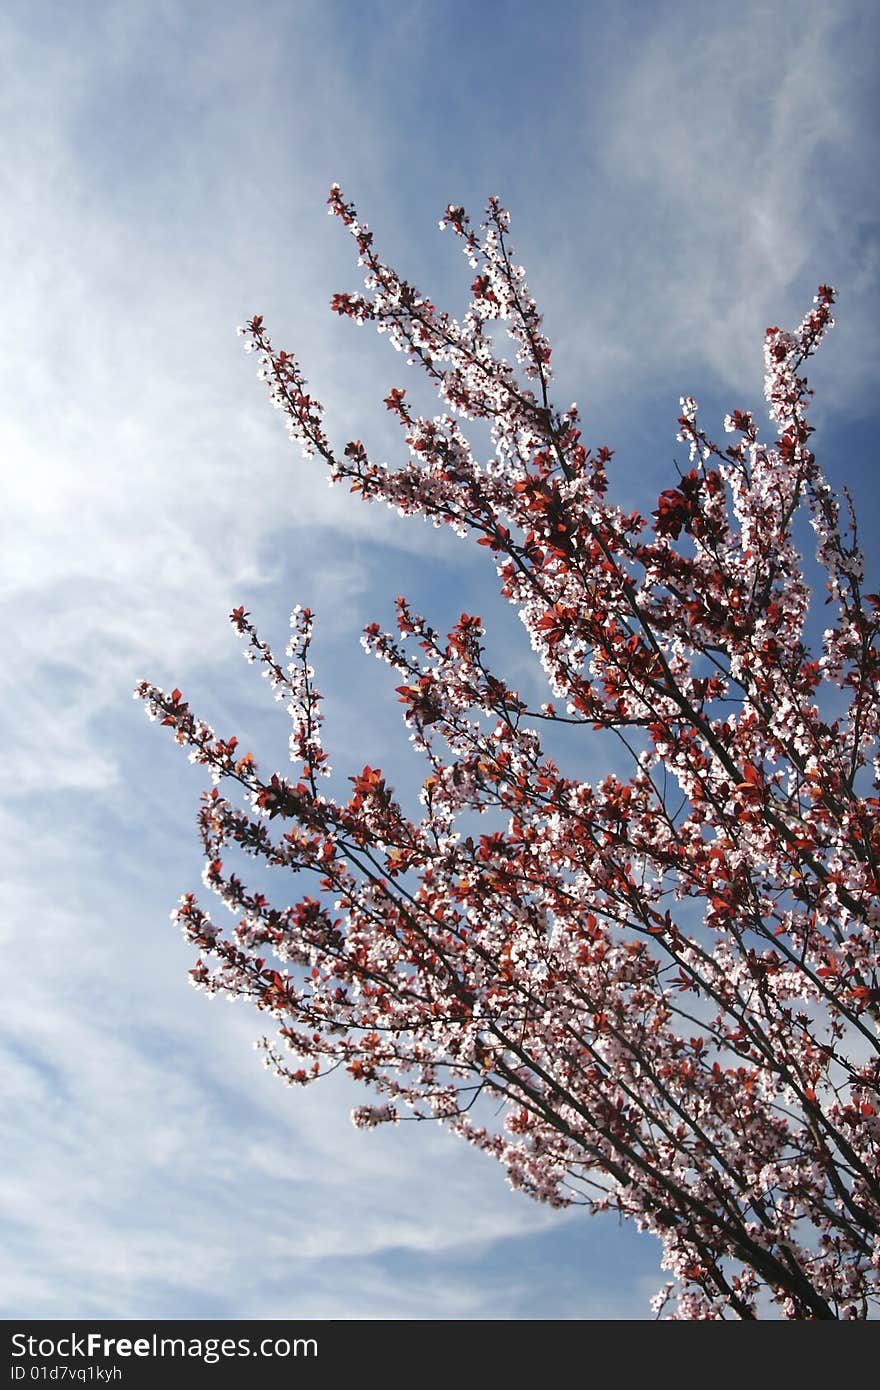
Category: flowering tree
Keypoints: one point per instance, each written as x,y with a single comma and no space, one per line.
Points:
667,986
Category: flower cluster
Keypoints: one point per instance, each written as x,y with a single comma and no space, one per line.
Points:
657,995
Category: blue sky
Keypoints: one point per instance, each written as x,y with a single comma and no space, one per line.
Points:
679,177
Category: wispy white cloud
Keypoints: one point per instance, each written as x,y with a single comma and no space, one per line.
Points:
724,178
144,478
735,134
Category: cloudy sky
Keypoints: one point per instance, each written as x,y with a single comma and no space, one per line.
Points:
679,176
